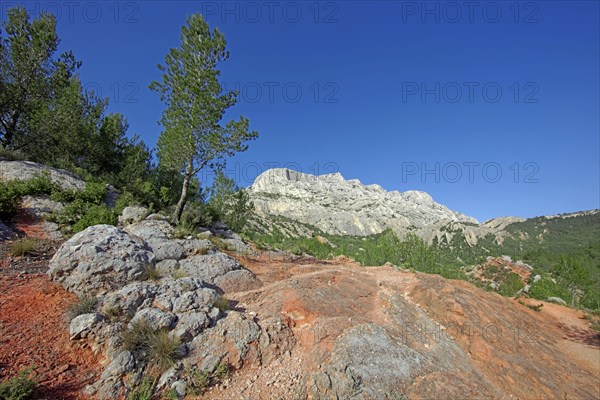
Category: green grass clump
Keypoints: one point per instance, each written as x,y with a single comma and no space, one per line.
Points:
85,305
20,387
23,246
144,391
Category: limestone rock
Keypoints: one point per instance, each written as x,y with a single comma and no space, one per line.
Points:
82,324
133,214
99,259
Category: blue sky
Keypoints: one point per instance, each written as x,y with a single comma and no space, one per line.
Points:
493,108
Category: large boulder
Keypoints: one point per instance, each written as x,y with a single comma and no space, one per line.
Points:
99,259
24,170
133,214
221,270
5,232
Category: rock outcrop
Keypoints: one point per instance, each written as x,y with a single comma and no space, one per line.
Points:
346,207
99,259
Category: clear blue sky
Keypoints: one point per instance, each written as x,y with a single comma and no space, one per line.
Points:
389,90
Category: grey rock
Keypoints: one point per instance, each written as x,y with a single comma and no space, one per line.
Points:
193,323
150,230
537,278
40,207
120,365
208,267
337,206
180,388
167,267
156,318
167,377
82,324
99,259
133,214
157,217
5,232
24,170
165,249
556,300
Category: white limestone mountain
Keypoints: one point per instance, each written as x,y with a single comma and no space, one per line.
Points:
295,202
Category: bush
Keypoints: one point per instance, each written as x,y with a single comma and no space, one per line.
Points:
20,387
85,305
96,215
23,247
144,391
12,192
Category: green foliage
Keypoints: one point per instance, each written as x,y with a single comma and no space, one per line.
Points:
198,381
193,137
144,391
229,203
12,192
23,246
20,387
84,305
549,287
96,215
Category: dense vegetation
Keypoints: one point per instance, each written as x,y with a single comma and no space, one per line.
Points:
48,117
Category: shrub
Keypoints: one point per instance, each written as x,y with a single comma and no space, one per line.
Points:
20,387
23,246
163,349
85,305
144,391
96,215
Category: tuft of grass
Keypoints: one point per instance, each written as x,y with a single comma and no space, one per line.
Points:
163,349
153,345
222,304
20,387
85,305
198,381
114,313
178,274
144,391
23,247
136,338
170,394
152,272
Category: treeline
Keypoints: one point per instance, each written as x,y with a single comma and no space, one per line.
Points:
48,117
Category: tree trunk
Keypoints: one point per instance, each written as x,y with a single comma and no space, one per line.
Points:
184,193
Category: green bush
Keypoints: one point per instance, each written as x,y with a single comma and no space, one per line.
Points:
96,215
546,287
20,387
12,192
